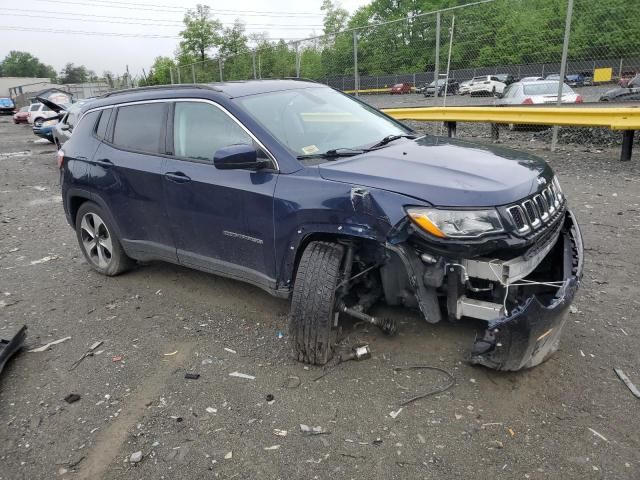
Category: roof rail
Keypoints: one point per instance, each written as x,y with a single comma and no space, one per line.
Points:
301,79
161,87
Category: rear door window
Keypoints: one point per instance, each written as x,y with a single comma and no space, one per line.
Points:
140,127
200,129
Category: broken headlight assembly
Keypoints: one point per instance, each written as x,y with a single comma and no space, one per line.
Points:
456,223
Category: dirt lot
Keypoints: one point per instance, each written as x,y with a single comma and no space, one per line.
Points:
570,418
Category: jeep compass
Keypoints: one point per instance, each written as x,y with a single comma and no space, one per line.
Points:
315,196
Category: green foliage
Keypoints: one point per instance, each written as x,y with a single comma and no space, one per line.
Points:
201,33
160,72
23,64
74,74
498,33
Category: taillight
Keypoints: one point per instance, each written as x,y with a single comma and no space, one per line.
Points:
579,99
60,158
527,101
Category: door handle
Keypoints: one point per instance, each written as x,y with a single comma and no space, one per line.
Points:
104,162
177,177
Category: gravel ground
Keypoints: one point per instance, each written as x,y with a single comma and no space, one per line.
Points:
569,418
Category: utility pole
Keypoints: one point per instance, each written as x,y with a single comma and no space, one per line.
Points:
253,61
220,67
436,68
356,78
563,67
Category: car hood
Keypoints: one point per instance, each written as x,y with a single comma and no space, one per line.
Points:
52,105
445,172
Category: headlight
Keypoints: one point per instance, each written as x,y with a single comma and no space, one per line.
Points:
48,123
456,223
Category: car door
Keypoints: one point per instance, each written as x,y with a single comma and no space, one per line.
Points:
222,219
127,174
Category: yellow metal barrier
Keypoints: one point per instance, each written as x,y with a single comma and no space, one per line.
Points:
624,118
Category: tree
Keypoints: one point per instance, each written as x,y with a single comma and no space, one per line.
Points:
160,73
335,17
23,64
201,32
72,74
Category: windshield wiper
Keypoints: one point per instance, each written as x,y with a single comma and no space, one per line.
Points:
391,138
333,153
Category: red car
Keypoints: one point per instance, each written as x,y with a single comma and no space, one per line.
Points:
400,88
21,116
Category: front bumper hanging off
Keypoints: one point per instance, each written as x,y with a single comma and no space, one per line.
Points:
528,335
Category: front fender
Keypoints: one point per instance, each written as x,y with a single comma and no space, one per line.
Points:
307,206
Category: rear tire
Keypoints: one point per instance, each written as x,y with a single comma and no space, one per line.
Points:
99,241
313,306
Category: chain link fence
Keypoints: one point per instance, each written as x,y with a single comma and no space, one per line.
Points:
395,63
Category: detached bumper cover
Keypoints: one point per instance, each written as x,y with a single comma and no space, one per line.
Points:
531,333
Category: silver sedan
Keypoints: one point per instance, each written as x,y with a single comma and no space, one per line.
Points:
536,93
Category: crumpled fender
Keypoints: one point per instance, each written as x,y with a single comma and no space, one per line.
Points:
530,334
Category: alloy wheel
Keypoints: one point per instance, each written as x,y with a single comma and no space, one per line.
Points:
96,240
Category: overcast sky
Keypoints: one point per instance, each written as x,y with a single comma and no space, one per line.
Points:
43,27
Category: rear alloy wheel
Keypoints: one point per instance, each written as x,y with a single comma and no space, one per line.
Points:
313,304
98,241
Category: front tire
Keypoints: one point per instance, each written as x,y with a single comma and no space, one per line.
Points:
313,304
99,242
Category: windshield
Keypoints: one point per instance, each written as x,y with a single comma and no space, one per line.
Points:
315,120
545,89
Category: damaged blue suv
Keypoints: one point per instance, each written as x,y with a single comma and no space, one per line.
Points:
315,196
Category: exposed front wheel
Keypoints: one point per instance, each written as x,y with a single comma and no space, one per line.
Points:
99,242
313,304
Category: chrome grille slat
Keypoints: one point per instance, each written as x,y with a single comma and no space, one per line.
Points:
534,212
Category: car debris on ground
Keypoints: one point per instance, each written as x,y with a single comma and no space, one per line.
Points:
627,382
46,347
8,348
89,353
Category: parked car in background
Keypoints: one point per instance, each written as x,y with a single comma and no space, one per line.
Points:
44,129
68,119
531,79
39,112
505,78
626,77
7,107
536,93
574,80
400,88
451,85
486,85
21,116
587,78
630,93
465,87
313,196
554,76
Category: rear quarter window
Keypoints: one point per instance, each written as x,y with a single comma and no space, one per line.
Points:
140,127
86,125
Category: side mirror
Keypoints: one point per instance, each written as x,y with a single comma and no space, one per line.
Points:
64,126
238,157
